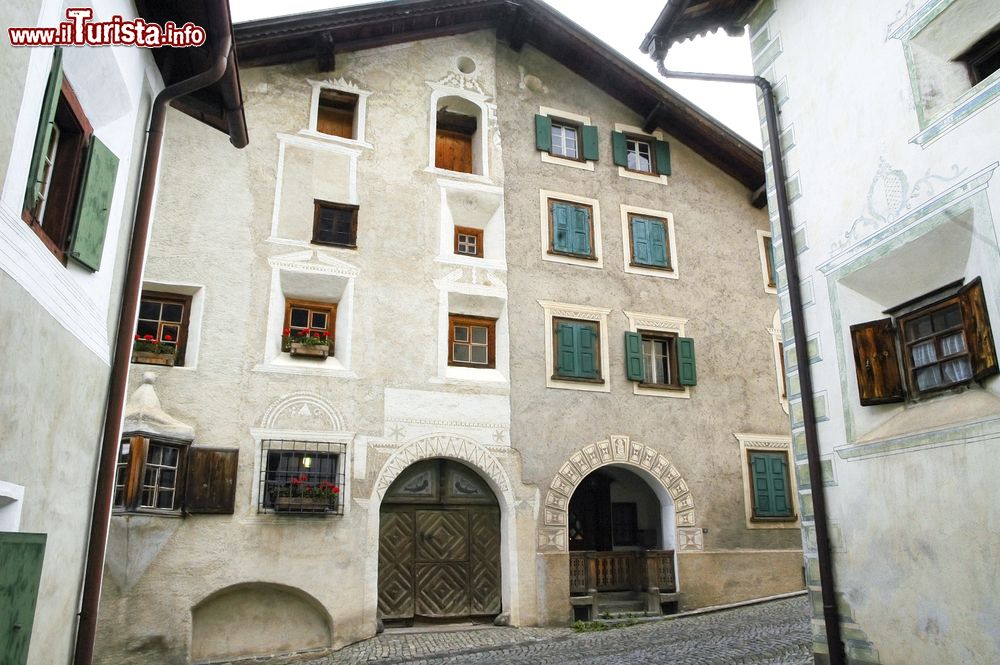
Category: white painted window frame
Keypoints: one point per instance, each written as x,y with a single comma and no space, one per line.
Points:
587,164
360,112
673,272
769,443
544,195
657,135
480,154
586,313
494,231
762,238
488,300
639,322
776,350
196,292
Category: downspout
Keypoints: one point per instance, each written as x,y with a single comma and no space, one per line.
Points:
824,554
104,490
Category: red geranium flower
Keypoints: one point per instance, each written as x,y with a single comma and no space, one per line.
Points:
286,332
326,335
149,338
336,490
168,338
138,338
303,477
296,481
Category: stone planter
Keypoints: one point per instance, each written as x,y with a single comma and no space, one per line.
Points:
150,358
309,350
303,504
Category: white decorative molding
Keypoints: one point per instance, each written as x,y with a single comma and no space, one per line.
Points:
579,312
690,539
360,113
639,321
763,237
770,443
304,262
544,196
303,407
673,272
777,350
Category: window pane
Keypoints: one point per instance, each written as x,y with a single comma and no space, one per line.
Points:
479,355
919,328
154,455
952,344
924,354
169,331
929,378
480,335
461,334
299,318
168,478
147,328
460,352
957,370
319,320
170,456
149,310
173,312
165,500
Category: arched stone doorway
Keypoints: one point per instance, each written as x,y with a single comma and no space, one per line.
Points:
439,546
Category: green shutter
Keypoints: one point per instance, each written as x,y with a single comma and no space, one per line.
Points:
47,117
587,349
781,501
562,222
567,363
543,133
619,152
640,240
22,555
685,362
633,357
581,231
769,246
771,492
662,156
761,486
96,195
590,142
658,243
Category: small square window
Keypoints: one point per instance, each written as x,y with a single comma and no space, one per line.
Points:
301,477
471,341
650,240
335,113
577,350
571,229
309,328
335,224
162,329
770,486
468,241
565,139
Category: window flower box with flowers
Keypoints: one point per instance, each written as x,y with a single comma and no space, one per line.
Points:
301,496
148,350
306,343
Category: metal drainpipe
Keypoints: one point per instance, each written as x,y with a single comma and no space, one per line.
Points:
827,582
104,490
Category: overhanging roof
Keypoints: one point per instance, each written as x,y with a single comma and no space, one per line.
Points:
685,19
321,35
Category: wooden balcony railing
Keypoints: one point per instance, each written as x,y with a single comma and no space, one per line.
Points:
621,571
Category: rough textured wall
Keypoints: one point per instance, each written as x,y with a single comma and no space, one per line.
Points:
13,72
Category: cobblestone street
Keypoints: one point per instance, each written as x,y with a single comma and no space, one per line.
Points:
771,633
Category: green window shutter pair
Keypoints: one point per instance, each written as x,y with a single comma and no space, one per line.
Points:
772,495
649,242
570,229
577,346
661,153
543,137
50,102
635,365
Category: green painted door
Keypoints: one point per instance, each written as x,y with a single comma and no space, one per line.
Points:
21,557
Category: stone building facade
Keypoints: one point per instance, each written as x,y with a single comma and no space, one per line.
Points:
891,149
449,210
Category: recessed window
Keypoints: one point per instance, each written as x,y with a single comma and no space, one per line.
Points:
309,328
571,229
770,486
566,139
983,58
335,113
161,330
941,340
639,155
453,149
772,276
468,241
577,350
301,477
660,359
645,155
149,475
335,224
649,238
471,341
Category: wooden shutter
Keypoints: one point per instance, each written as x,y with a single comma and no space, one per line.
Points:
22,555
543,133
661,151
211,480
686,369
978,334
771,492
45,121
453,151
96,195
567,363
658,243
581,231
633,357
590,142
640,240
771,267
876,361
619,150
587,349
562,236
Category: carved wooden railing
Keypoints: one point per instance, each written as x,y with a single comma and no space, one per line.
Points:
621,571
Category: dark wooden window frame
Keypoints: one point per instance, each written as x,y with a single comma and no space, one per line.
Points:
905,345
319,206
575,126
768,258
75,131
649,141
556,376
781,368
674,369
754,517
328,308
480,321
182,328
342,104
552,231
135,471
977,55
470,231
631,243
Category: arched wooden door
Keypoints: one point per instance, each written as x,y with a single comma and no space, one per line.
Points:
439,545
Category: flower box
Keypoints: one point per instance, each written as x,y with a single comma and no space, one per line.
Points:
309,350
303,504
153,358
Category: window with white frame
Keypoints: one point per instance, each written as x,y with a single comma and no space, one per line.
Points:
768,266
566,138
659,358
649,242
576,346
570,229
338,111
769,494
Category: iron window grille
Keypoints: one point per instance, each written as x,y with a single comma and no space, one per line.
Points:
301,477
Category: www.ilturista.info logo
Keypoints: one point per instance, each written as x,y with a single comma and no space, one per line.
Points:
79,30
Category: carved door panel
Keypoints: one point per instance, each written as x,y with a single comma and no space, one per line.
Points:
395,565
484,560
441,571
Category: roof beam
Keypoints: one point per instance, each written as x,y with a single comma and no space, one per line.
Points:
326,60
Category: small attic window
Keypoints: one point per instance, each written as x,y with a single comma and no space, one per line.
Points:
336,113
454,143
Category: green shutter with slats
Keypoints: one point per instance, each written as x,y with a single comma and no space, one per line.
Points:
619,151
567,363
581,231
576,351
633,357
661,150
543,133
562,221
658,244
769,246
686,370
587,348
50,102
96,195
770,485
590,142
640,241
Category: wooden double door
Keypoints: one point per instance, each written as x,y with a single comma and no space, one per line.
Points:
439,546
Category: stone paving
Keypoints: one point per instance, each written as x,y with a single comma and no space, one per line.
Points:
771,633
